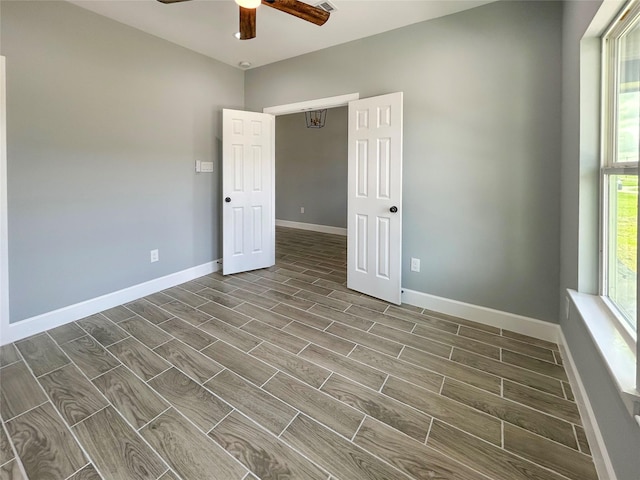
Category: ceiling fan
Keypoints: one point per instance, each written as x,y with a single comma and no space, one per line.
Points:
296,8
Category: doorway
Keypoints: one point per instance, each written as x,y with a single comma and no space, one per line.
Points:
311,172
374,218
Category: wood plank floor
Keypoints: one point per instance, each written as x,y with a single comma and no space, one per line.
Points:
284,373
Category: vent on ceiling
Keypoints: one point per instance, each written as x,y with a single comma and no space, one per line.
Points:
327,6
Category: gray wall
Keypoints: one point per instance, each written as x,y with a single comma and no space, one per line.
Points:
311,169
104,125
579,232
481,144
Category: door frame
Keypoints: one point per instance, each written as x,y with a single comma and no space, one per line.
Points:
4,212
317,104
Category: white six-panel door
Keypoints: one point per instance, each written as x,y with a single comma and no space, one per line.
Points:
247,191
374,250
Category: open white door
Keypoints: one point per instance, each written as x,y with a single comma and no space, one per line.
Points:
374,249
248,217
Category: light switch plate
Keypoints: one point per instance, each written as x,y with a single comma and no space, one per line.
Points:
206,167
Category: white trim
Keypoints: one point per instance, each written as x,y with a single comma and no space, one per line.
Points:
616,349
272,220
488,316
313,227
4,229
55,318
328,102
599,452
603,18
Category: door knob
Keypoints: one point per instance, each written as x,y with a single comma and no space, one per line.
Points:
228,199
393,209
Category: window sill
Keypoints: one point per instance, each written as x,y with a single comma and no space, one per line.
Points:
615,345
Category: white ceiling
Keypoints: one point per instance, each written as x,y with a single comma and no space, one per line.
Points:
207,26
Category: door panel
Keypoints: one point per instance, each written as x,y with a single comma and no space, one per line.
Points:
383,248
374,253
247,183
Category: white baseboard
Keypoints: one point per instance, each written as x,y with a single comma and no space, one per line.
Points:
488,316
313,227
55,318
601,459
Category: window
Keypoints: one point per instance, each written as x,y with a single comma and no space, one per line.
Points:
621,150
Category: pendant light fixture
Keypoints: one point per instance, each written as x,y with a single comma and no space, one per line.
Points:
315,118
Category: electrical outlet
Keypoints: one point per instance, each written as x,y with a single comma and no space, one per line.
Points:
155,255
301,209
415,264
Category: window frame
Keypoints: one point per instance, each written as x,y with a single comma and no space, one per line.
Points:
627,18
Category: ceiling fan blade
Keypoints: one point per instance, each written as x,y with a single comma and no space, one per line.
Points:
247,23
172,1
299,9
